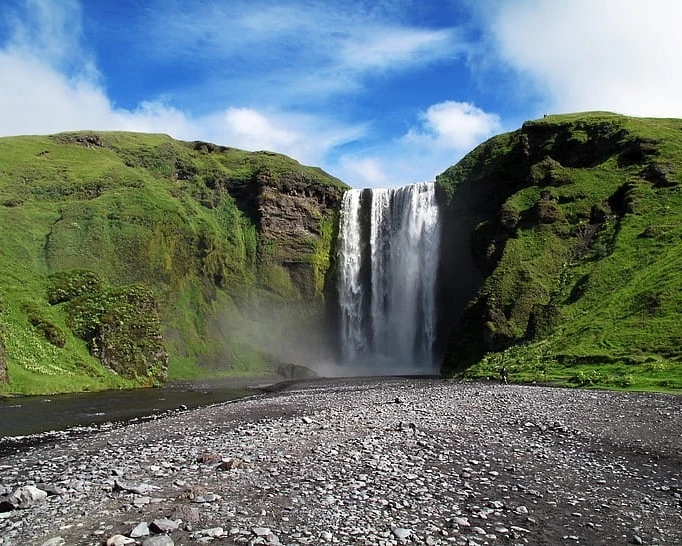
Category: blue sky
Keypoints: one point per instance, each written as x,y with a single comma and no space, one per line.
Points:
376,92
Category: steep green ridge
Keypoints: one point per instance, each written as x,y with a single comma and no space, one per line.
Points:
578,235
123,254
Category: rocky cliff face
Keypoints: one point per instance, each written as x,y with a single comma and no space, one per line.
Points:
544,212
297,216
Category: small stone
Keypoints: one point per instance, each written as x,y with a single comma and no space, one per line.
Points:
260,531
209,457
208,497
232,464
140,530
159,540
462,522
164,525
636,539
186,513
326,536
27,496
119,540
141,489
141,501
521,510
214,532
56,541
400,533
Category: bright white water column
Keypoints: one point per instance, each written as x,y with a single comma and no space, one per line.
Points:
389,241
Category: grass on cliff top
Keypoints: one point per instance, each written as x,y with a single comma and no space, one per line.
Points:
134,208
618,294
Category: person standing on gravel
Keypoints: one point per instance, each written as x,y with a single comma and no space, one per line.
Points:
504,375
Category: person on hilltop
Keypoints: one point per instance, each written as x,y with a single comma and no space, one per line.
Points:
504,375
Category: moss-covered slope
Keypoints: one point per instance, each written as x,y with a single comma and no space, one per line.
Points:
215,256
578,237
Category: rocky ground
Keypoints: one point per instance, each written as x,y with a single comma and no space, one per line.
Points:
372,462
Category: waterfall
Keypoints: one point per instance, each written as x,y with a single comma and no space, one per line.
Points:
388,263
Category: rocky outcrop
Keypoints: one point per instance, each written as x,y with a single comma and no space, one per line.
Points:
128,340
298,216
120,325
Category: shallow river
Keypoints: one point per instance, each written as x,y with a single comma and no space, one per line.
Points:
25,415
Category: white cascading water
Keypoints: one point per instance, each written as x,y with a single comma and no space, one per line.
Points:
389,244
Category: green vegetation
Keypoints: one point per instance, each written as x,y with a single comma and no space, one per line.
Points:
119,248
581,240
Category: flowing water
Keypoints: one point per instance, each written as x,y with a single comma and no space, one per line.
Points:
35,414
389,251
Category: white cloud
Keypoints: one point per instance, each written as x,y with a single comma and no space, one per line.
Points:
453,125
446,131
41,100
383,48
304,137
618,55
365,172
37,99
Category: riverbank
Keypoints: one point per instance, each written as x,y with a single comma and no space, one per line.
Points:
35,415
373,461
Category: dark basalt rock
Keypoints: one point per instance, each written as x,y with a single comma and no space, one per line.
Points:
295,371
659,174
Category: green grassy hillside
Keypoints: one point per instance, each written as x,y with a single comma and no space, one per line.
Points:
580,241
192,224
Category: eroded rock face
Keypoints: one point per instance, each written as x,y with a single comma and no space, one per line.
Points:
298,215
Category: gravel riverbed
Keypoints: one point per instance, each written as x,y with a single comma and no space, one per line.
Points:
362,461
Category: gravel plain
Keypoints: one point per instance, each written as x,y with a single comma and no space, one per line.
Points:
378,461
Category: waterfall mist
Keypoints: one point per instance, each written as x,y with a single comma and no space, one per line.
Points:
388,265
